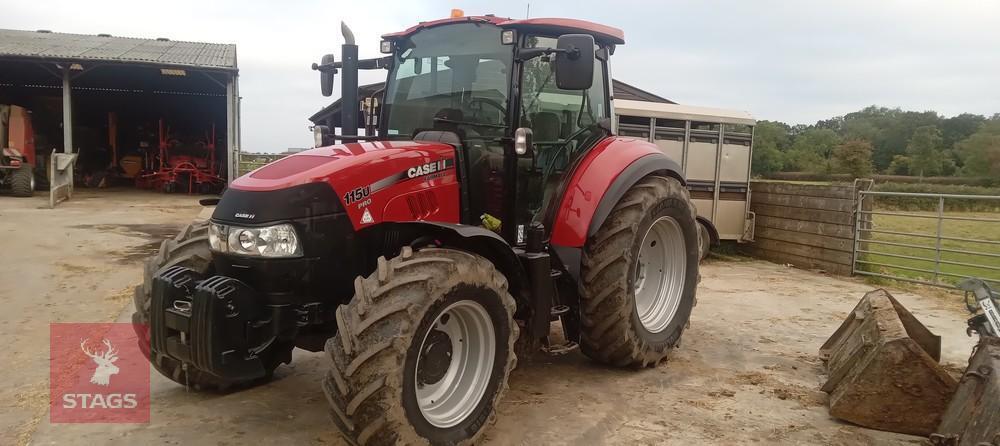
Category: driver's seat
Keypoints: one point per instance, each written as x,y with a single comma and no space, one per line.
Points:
547,127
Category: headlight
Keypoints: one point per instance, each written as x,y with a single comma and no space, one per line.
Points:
269,241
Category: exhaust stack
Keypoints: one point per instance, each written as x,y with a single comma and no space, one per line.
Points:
349,103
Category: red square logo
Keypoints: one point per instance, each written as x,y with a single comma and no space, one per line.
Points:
97,374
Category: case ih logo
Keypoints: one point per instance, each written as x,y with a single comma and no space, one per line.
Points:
429,168
97,374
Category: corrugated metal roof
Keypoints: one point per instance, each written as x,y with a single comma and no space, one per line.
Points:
82,47
622,90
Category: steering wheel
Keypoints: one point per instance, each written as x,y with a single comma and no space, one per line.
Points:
477,110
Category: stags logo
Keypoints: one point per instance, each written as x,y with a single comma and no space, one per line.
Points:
105,363
97,374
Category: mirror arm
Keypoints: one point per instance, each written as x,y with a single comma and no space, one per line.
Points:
526,54
375,63
363,64
327,67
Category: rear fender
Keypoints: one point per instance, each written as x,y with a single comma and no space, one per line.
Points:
602,177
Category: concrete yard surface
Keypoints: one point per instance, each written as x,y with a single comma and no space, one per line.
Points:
746,372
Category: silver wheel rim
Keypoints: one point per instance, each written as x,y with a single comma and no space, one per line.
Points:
659,274
455,363
31,184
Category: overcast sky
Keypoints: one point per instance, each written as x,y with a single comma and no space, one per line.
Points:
793,61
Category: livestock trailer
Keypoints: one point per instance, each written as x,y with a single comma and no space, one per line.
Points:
714,148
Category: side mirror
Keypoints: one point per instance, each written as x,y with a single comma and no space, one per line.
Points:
326,72
523,140
321,136
575,61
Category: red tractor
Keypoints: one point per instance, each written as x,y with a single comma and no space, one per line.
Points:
495,200
17,151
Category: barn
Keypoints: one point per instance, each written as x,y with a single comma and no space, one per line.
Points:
120,111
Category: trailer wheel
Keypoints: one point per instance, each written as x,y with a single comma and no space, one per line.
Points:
423,351
640,271
22,181
188,249
704,241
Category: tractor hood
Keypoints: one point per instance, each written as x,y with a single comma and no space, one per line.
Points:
305,184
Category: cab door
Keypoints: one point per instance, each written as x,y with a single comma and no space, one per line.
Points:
564,123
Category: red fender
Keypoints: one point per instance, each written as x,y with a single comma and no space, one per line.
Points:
604,175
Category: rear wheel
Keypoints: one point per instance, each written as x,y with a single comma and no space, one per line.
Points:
423,352
640,271
22,181
188,249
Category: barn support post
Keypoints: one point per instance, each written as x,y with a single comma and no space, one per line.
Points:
67,109
232,145
60,168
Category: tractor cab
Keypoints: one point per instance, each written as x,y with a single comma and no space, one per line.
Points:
520,99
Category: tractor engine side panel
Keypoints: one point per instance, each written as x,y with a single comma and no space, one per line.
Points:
429,204
601,170
384,181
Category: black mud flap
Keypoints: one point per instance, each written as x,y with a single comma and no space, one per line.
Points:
213,324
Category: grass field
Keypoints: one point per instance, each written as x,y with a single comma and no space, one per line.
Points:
987,261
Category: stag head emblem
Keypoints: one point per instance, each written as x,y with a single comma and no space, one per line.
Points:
105,363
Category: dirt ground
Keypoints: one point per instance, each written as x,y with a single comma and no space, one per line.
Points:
746,372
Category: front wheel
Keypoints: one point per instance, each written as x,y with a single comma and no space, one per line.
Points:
423,351
640,271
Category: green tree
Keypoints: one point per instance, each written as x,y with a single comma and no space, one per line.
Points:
770,141
888,129
812,150
980,152
900,165
766,159
772,133
925,151
958,128
854,157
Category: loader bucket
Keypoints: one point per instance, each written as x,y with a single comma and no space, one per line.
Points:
973,416
883,369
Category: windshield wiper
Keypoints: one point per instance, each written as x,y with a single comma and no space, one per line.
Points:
474,124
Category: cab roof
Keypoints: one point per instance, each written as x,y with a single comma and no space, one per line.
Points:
601,33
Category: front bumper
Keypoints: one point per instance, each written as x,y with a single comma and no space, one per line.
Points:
217,324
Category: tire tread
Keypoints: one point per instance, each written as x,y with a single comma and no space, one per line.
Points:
364,383
608,335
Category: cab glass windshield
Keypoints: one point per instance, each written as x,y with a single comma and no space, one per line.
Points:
456,75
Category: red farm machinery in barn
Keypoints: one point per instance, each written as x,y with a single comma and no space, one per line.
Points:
182,165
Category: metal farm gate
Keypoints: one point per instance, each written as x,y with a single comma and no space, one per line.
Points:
931,239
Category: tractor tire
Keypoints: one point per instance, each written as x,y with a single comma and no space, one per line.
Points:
640,272
22,182
412,324
188,249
